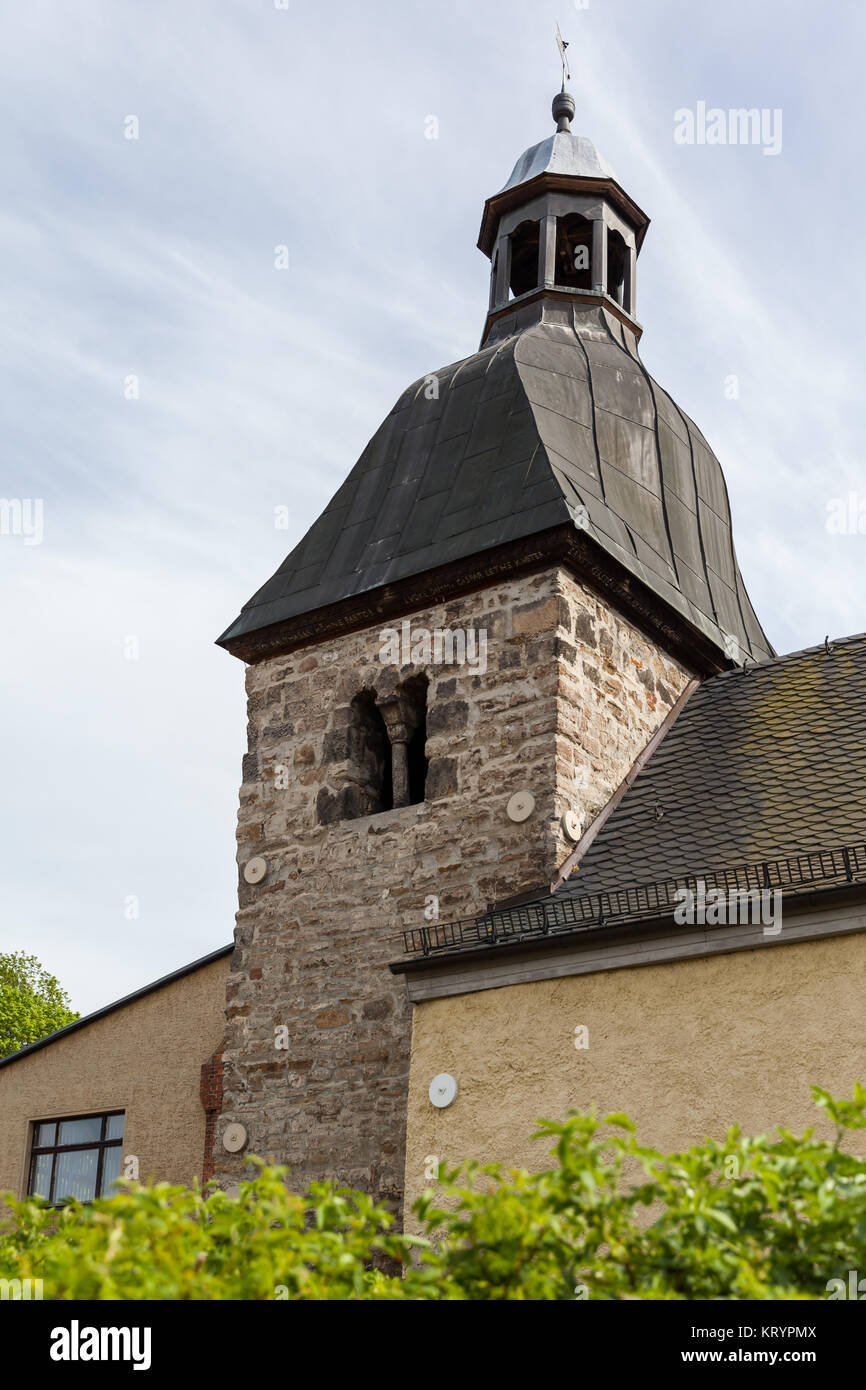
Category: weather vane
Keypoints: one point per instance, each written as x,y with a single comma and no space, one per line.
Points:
562,45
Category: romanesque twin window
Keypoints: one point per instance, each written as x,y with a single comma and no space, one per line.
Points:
386,763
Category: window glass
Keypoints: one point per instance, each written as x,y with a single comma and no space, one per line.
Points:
110,1170
80,1131
74,1157
42,1176
75,1175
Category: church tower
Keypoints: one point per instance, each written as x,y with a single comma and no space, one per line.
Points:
453,670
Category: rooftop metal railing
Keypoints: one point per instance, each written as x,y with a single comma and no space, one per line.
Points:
569,911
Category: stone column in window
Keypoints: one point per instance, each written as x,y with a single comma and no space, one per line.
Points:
400,720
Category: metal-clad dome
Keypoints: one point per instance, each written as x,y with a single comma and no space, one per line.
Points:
560,153
556,423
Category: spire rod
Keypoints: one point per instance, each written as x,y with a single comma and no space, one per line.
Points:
562,45
563,102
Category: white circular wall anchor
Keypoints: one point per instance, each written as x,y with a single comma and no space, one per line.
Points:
255,869
234,1138
521,806
571,824
443,1090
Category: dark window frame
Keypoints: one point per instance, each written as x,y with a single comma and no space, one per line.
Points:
101,1144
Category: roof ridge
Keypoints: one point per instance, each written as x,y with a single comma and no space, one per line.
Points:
828,647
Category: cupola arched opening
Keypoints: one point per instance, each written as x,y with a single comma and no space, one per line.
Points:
524,258
616,254
574,251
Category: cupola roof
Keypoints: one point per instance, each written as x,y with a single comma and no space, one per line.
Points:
561,153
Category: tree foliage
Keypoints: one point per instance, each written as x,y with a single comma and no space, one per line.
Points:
32,1002
765,1217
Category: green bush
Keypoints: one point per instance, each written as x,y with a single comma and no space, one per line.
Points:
750,1218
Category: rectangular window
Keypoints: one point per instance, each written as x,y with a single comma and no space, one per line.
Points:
77,1157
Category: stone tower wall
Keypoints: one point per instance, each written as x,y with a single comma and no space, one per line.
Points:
571,694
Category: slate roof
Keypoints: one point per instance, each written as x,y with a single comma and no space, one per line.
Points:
761,780
761,764
562,153
556,422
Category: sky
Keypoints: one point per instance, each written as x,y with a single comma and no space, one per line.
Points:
228,243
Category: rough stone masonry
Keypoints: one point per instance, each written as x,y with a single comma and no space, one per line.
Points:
571,694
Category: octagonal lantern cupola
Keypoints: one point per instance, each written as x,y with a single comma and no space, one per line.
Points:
562,227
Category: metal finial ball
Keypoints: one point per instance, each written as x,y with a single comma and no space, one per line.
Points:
563,109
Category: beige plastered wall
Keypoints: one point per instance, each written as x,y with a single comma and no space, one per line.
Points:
145,1059
686,1049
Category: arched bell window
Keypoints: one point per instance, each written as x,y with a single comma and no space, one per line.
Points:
415,693
405,715
574,251
524,258
370,771
616,254
385,754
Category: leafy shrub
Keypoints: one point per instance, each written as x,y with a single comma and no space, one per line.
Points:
32,1002
749,1218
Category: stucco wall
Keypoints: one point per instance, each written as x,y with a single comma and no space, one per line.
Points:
686,1049
145,1059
